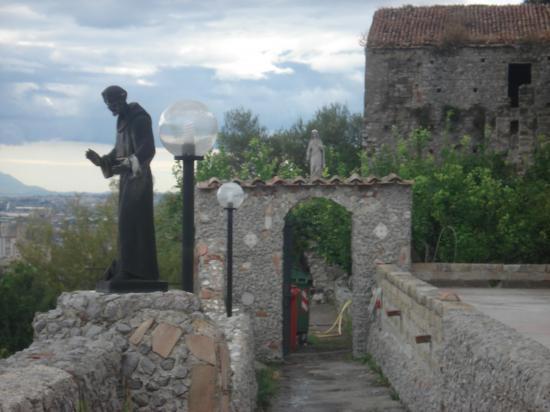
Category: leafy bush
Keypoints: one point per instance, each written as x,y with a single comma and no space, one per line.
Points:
23,292
472,207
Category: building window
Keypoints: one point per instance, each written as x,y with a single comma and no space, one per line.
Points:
518,74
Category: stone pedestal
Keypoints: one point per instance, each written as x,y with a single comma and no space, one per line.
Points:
129,286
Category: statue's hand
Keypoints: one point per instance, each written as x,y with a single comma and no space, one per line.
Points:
93,157
122,166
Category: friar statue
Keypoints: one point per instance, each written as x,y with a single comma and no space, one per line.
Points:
134,149
315,155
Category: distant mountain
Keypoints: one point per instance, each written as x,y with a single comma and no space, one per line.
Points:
10,186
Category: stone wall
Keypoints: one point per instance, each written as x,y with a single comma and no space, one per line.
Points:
381,213
441,354
417,87
152,351
482,274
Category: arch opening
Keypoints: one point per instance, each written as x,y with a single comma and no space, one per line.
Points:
316,275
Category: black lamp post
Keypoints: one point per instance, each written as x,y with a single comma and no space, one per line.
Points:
230,197
188,130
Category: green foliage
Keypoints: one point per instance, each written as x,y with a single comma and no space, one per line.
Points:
471,207
340,131
168,230
215,164
239,128
75,255
23,291
381,379
324,226
258,161
268,385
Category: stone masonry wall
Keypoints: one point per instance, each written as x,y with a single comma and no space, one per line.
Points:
380,231
471,361
142,351
416,87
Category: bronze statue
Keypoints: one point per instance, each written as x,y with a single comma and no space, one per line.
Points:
134,149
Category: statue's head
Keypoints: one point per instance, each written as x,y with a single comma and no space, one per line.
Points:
315,134
115,99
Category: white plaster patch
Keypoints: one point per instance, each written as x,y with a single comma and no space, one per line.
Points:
247,298
268,222
407,214
204,218
246,265
250,240
381,231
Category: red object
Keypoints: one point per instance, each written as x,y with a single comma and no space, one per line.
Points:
294,293
378,304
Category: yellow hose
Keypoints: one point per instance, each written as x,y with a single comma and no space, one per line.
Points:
337,322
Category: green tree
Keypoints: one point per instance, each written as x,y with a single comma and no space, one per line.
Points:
239,128
23,292
168,229
340,131
75,255
471,207
324,226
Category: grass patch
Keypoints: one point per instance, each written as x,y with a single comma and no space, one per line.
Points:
381,379
268,385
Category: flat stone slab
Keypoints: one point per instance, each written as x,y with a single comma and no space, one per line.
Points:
525,310
330,382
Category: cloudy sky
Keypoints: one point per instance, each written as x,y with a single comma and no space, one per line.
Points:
283,59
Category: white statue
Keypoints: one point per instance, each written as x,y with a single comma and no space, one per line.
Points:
315,155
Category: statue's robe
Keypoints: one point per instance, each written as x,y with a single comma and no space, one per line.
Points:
315,153
136,248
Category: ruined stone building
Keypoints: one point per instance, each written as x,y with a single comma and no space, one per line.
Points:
455,70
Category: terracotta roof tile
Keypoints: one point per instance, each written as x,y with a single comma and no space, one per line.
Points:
318,181
354,180
299,181
336,180
459,25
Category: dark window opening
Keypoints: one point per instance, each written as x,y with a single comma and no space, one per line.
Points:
514,127
475,89
518,74
438,90
482,60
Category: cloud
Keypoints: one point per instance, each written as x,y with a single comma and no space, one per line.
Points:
61,166
282,59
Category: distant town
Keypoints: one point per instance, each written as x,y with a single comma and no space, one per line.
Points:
16,211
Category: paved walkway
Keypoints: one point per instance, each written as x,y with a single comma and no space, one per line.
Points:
318,379
525,310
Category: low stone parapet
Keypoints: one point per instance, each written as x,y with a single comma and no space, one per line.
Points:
108,352
240,339
482,274
442,354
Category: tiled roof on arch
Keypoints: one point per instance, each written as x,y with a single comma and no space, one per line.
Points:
353,180
459,25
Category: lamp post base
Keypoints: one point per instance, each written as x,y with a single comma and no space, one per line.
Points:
129,286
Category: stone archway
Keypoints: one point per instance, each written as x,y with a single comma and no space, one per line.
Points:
381,232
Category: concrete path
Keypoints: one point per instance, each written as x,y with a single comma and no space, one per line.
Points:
525,310
324,378
330,382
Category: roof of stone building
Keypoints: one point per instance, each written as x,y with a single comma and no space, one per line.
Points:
353,180
459,25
